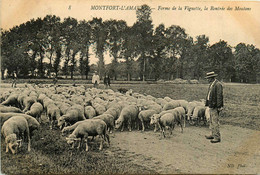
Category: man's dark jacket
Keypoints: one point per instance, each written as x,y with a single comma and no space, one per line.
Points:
216,96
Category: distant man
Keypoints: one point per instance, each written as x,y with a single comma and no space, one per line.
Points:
214,101
14,80
95,80
107,81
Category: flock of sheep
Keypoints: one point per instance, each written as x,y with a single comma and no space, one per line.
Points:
80,112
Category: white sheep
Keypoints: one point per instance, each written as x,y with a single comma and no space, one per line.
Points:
99,108
171,105
70,128
34,93
41,97
89,112
168,99
90,127
14,128
167,120
53,113
36,111
28,101
77,99
191,107
155,107
108,119
160,101
180,111
145,117
114,111
128,114
4,117
72,116
63,107
47,101
198,115
184,104
81,110
5,95
5,109
11,100
32,122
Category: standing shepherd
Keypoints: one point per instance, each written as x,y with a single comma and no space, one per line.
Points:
107,81
14,80
214,101
95,80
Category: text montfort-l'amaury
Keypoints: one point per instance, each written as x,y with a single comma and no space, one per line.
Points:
113,7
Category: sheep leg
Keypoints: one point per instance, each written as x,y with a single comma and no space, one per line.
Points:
197,122
86,140
28,138
181,127
52,123
159,126
50,120
108,141
129,125
170,128
163,132
7,147
123,125
111,130
101,143
155,127
79,143
73,144
142,125
138,125
184,122
39,118
20,139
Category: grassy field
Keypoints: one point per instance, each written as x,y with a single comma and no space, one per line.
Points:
51,155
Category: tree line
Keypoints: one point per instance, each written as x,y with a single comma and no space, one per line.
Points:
141,51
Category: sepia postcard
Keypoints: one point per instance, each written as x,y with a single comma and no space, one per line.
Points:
193,25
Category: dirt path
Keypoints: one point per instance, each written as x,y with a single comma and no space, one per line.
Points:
190,152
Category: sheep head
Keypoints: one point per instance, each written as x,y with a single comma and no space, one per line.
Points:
155,119
118,123
71,139
12,143
61,121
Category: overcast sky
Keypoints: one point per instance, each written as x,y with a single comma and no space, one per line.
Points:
233,26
